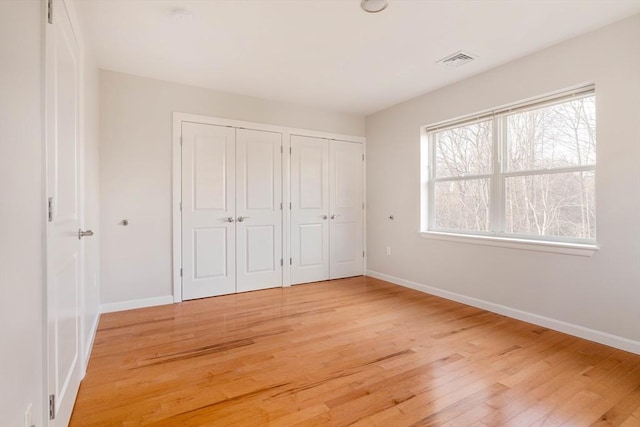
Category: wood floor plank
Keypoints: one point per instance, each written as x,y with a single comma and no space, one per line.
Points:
357,351
621,410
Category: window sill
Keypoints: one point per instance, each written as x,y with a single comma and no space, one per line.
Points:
575,249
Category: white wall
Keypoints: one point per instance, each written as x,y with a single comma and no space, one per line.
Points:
601,293
135,172
21,212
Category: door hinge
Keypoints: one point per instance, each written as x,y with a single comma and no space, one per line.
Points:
52,406
363,157
180,139
290,261
50,17
180,206
289,150
181,272
362,254
362,205
281,149
50,209
280,205
289,205
281,262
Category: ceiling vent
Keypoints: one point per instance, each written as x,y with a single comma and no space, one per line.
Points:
457,59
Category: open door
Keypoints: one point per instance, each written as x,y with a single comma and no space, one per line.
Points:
64,255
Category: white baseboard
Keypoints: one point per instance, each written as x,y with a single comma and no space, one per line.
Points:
558,325
89,348
137,303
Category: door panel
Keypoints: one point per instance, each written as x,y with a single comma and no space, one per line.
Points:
345,170
258,209
208,199
64,256
260,248
309,209
312,183
312,247
260,167
346,219
346,233
210,252
209,176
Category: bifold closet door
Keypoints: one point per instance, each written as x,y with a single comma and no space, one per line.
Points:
346,256
326,209
309,209
258,209
208,210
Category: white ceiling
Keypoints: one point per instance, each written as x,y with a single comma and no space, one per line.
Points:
329,53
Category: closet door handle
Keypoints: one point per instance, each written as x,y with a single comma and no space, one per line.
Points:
82,233
242,218
324,217
229,219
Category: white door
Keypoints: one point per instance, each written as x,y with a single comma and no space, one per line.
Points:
309,209
208,210
64,369
346,209
258,209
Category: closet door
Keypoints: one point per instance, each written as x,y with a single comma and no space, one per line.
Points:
346,209
309,209
258,209
208,210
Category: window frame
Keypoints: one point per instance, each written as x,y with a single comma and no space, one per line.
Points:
497,234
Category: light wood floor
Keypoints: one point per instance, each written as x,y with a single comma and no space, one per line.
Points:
349,352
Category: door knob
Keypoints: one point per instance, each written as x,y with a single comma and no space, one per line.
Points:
334,216
229,219
324,217
82,234
242,218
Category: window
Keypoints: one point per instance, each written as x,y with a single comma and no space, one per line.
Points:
525,172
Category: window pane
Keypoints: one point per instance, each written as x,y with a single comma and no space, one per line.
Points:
559,204
465,150
556,136
462,205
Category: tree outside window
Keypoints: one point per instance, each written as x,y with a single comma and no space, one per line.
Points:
526,172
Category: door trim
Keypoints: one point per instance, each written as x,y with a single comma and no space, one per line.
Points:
178,119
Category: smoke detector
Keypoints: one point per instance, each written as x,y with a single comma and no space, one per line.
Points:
457,59
181,15
374,6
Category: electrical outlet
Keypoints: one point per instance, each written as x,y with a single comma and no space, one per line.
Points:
28,417
388,250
